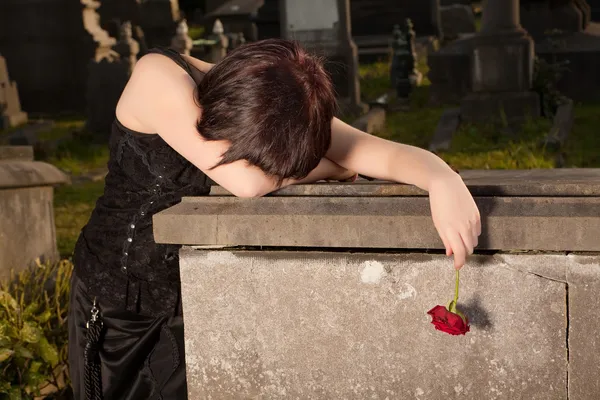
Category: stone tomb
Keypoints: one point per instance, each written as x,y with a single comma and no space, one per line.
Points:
321,291
10,107
27,230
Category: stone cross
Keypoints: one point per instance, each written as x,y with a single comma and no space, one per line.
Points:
182,42
10,106
403,72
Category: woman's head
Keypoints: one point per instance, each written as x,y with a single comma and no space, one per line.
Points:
274,103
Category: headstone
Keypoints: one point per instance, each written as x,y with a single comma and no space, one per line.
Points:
48,50
10,107
219,50
378,17
457,19
182,42
502,68
159,20
403,72
106,80
327,33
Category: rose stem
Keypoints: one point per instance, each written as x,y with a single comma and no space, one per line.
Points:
456,288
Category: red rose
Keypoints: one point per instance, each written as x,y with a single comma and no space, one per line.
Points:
448,322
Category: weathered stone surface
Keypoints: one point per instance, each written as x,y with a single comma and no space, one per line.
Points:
27,229
457,19
282,325
21,174
564,182
583,276
500,107
525,223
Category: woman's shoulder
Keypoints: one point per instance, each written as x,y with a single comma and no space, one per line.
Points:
156,81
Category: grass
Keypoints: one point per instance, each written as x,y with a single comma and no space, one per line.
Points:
196,32
481,146
73,206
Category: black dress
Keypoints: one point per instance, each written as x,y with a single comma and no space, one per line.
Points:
134,349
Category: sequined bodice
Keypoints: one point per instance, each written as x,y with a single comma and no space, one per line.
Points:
116,248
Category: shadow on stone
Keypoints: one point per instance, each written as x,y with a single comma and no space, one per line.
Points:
478,316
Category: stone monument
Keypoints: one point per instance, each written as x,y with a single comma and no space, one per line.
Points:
127,47
404,75
182,42
564,32
10,107
501,68
327,33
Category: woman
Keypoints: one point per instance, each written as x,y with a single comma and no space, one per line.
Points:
261,119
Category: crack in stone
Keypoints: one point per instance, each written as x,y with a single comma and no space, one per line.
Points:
507,266
568,317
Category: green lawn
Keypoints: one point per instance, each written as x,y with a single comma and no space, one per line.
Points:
484,147
72,208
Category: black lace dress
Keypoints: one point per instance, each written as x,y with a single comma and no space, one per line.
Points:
134,281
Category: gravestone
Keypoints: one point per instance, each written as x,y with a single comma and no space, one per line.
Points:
327,33
502,68
48,50
159,20
27,228
564,31
10,107
182,42
457,19
106,80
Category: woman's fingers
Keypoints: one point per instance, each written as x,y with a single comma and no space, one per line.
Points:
458,248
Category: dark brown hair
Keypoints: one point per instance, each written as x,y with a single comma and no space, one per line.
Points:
274,103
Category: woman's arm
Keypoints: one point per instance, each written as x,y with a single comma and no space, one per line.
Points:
455,214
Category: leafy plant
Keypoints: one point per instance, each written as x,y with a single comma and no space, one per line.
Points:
33,332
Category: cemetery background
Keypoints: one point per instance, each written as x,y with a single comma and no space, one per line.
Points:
65,139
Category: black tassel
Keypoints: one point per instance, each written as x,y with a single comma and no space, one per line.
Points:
92,372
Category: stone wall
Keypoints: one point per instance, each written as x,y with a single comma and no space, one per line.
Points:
27,230
328,297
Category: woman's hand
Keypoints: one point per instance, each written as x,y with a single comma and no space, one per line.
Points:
455,216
